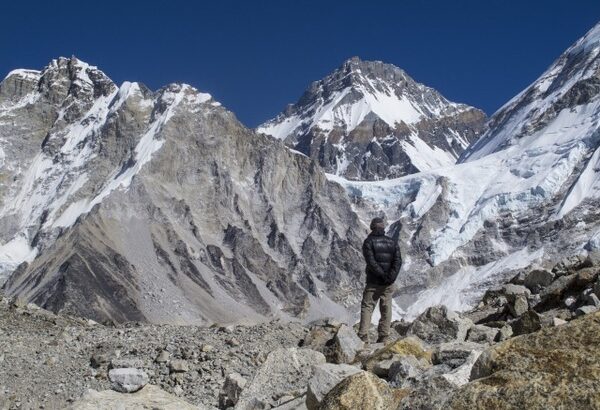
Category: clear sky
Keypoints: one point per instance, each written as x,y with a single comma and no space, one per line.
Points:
256,56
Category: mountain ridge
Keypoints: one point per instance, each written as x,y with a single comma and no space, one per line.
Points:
370,120
194,217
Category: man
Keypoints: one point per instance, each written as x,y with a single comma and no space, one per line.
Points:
382,255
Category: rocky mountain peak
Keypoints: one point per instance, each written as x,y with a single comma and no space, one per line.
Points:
370,120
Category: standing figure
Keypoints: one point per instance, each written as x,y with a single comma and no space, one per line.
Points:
382,255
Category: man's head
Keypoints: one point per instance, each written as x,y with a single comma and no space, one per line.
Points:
377,224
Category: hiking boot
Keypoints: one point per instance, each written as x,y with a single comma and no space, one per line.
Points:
384,339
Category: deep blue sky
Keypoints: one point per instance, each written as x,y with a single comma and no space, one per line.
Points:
256,56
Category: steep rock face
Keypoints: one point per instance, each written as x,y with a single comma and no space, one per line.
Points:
125,204
525,193
370,121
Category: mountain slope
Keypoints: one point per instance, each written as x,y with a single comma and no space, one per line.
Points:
369,121
525,193
121,203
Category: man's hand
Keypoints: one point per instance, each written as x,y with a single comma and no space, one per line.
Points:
369,255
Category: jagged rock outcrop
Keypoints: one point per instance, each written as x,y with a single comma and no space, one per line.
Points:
120,203
369,121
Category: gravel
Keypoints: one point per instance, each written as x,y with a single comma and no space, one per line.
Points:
48,361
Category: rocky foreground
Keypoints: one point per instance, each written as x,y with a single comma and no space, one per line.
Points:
532,343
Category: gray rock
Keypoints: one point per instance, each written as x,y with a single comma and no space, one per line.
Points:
593,300
284,371
529,322
511,291
382,367
163,357
324,378
505,332
430,392
127,380
519,306
346,344
232,389
461,375
556,289
482,334
438,324
454,354
179,366
405,370
538,278
586,310
558,321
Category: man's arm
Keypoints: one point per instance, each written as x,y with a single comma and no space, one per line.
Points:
370,258
397,263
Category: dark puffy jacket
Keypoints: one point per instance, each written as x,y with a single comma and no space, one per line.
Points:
383,258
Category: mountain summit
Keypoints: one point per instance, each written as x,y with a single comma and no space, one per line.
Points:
122,203
369,120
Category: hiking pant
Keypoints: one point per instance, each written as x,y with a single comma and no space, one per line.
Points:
371,295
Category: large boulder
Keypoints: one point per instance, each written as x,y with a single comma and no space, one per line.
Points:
409,346
511,291
529,322
127,380
362,391
462,374
557,367
538,278
285,372
554,292
405,370
482,334
325,377
518,306
150,397
346,344
438,325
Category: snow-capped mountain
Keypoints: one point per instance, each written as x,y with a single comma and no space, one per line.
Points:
369,121
121,203
127,204
526,192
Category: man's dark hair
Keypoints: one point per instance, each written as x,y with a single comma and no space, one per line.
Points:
375,222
